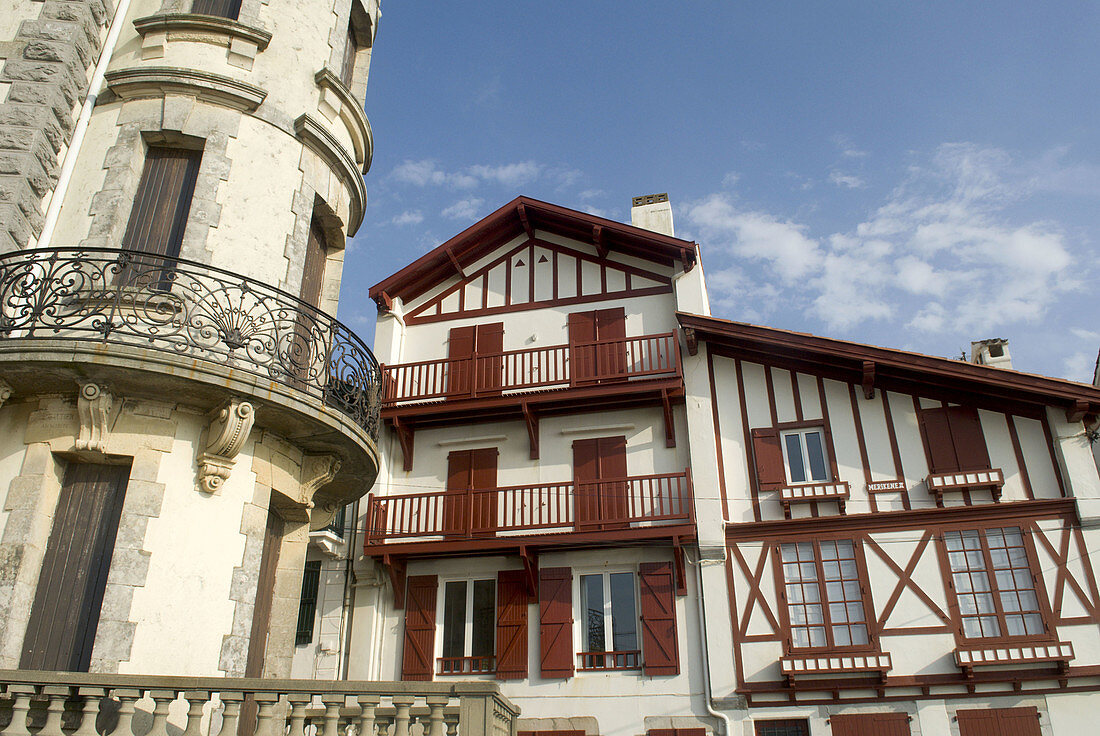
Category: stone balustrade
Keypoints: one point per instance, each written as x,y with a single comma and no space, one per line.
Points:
80,704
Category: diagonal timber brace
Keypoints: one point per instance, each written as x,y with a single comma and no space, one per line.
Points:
530,560
670,424
396,566
405,434
531,419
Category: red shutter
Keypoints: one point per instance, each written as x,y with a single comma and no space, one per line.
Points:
460,353
419,648
459,464
771,472
483,476
556,622
586,473
611,357
966,434
659,649
676,732
511,625
613,496
936,432
871,724
488,346
552,732
582,360
999,722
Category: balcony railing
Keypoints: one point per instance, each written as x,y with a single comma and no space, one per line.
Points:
192,311
544,508
578,364
79,704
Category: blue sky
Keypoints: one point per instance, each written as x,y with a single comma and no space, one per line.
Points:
913,175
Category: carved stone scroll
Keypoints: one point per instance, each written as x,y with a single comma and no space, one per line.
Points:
229,428
93,408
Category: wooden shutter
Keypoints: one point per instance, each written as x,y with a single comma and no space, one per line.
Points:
511,625
967,436
582,358
556,622
999,722
660,653
552,732
158,216
459,466
611,357
676,732
65,614
767,454
488,346
313,269
613,496
347,69
460,354
936,432
870,724
418,651
483,477
586,474
265,591
222,8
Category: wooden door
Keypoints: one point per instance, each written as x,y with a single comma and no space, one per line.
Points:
599,486
158,216
65,614
313,269
870,724
469,504
474,360
591,359
999,722
261,615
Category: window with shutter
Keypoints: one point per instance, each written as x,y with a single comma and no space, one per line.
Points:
870,724
782,727
419,644
768,459
222,8
511,625
475,360
953,438
660,650
597,345
556,622
470,501
599,483
999,722
307,605
609,622
468,627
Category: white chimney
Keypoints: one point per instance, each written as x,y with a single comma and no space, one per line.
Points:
652,212
992,352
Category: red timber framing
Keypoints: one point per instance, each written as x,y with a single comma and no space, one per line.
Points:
1054,543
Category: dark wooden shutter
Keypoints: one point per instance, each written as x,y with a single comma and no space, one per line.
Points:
614,504
660,653
418,652
222,8
611,357
586,474
265,591
870,724
460,355
347,68
307,604
999,722
552,732
459,480
483,477
511,625
313,269
65,614
767,455
488,346
582,357
967,436
556,622
936,432
676,732
158,216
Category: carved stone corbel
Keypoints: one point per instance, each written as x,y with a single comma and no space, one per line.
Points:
229,428
317,472
93,409
5,391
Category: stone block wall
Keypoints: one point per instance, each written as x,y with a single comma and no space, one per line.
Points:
46,77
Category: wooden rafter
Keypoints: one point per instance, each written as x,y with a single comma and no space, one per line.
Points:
525,221
456,264
1077,412
691,340
868,379
598,241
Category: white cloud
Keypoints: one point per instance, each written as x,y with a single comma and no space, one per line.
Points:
729,181
464,209
591,193
408,217
848,181
510,175
847,147
425,172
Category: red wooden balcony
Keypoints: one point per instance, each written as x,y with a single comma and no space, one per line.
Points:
557,366
622,508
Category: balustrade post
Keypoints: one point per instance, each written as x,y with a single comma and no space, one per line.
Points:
436,704
127,700
367,706
55,707
451,719
231,713
162,700
332,702
265,720
469,521
401,705
89,699
20,709
196,701
299,702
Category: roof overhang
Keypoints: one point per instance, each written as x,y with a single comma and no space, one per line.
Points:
526,215
896,370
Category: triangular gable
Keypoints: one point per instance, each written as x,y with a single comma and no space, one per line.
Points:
536,274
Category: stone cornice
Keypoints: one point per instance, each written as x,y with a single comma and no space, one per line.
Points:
358,125
225,29
156,81
325,145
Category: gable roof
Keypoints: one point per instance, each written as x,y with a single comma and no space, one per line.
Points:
897,370
524,214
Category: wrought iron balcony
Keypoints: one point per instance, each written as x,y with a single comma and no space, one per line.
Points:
193,312
557,366
617,506
64,704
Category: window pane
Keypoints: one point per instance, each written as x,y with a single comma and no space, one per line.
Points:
454,619
592,605
485,608
817,456
624,616
794,458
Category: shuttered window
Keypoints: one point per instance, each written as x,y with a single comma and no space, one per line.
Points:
870,724
162,203
307,606
469,627
676,732
609,622
597,345
768,459
784,727
419,644
511,648
600,488
556,622
953,438
65,615
474,359
660,650
999,722
313,267
470,501
222,8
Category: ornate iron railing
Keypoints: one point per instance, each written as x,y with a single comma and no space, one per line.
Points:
190,310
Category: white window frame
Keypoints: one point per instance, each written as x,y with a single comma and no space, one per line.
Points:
580,631
801,433
468,629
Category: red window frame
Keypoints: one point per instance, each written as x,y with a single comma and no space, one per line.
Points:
1027,544
862,579
782,727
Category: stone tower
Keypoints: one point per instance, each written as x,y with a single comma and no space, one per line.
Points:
177,182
